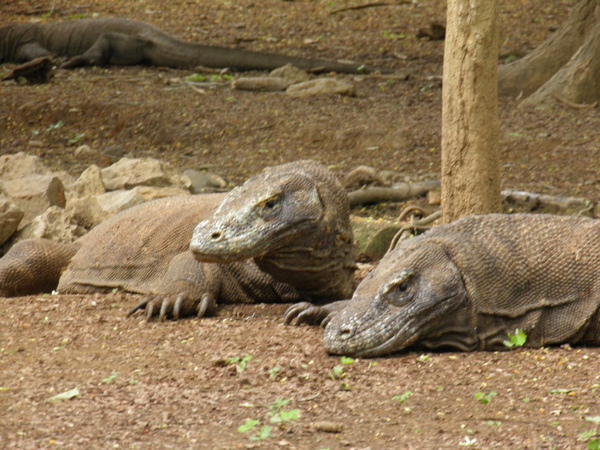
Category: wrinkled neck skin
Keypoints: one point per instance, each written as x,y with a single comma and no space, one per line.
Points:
320,265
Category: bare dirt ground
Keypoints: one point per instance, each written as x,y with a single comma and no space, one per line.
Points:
165,385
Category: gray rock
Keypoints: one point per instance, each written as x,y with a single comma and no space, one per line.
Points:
128,173
290,73
203,182
10,217
322,86
54,224
34,194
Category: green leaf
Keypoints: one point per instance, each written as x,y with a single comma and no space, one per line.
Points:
586,435
346,361
485,399
516,340
196,78
286,416
264,433
248,425
402,398
278,404
110,379
593,419
594,444
67,395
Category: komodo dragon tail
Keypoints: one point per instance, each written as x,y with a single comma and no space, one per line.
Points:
34,266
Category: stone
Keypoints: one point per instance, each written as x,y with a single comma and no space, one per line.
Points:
128,173
10,217
322,86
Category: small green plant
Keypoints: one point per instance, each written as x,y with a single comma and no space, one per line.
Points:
346,361
586,436
56,126
110,378
248,425
196,78
485,399
516,340
594,444
75,139
402,398
274,372
337,372
279,416
241,363
251,424
494,423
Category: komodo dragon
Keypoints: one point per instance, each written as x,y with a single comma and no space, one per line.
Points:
128,42
466,285
292,219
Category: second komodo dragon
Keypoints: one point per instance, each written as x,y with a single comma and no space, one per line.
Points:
468,284
293,220
124,42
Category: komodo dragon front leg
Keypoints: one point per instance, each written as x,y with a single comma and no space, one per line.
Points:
191,288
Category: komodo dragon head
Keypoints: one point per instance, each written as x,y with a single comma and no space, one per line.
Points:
406,300
294,220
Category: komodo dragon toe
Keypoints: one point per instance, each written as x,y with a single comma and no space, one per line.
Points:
307,313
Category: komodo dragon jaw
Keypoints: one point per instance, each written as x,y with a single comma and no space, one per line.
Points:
269,213
405,300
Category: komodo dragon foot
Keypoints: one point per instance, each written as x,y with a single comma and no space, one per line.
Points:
188,288
180,307
305,312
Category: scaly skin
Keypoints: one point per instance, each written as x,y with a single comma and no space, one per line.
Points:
466,285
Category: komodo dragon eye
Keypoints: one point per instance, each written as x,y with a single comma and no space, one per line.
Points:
395,291
268,207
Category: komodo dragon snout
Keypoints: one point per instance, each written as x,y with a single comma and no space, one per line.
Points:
259,217
403,301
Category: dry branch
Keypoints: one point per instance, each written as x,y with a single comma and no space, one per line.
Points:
398,193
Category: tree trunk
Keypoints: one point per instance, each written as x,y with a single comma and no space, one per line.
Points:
470,150
566,65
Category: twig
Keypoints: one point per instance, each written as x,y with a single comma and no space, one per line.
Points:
367,5
417,226
308,399
53,10
563,101
397,193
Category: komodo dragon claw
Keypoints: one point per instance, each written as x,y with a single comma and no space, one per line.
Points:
205,306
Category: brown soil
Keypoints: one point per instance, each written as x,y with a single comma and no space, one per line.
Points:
173,389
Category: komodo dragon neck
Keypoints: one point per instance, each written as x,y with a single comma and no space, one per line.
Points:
294,221
128,42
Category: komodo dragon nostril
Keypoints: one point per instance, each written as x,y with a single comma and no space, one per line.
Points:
216,236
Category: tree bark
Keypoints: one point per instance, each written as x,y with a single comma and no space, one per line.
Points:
566,65
470,150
